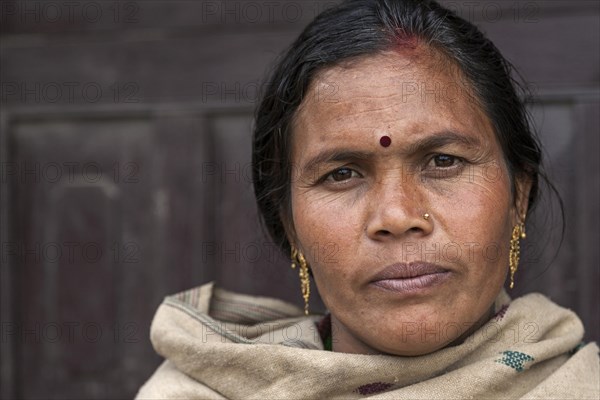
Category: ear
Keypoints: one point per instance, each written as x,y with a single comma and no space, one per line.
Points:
523,184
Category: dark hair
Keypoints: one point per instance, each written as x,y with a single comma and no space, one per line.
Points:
357,28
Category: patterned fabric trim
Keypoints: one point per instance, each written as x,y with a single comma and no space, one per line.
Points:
515,359
239,311
216,326
205,320
226,309
500,314
373,388
190,297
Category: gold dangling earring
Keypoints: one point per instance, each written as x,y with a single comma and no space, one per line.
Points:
298,257
515,250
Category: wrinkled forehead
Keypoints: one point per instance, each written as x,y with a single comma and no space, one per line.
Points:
397,61
386,83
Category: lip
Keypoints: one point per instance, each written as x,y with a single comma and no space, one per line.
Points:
410,277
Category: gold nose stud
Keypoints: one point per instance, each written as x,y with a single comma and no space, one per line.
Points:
426,217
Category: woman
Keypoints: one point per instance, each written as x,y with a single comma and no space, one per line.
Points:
393,161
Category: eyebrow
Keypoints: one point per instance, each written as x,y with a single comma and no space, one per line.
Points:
441,139
334,155
435,140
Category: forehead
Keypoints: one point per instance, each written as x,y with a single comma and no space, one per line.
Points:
389,92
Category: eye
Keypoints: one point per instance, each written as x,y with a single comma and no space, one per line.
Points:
341,174
444,160
443,166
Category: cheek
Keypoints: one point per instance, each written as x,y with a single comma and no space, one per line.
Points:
325,220
477,217
476,208
329,233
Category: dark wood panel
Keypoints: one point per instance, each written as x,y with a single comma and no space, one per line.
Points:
543,267
545,55
108,16
521,11
587,215
182,208
206,69
78,212
105,232
81,219
227,67
564,266
100,16
248,261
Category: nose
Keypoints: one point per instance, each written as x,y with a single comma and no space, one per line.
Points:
396,210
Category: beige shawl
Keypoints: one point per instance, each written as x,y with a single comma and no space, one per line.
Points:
222,345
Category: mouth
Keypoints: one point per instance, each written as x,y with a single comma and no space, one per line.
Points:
409,278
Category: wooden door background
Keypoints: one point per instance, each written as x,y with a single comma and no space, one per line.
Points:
125,149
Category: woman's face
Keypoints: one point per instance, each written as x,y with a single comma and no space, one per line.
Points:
394,281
